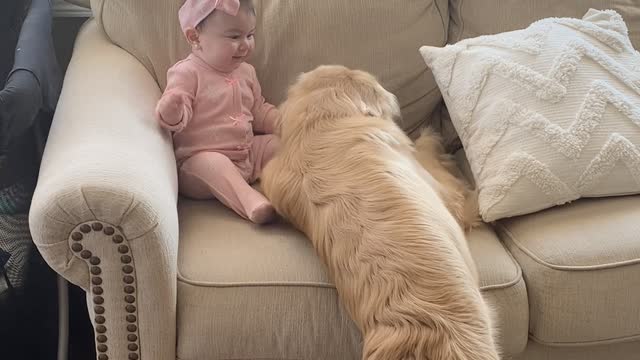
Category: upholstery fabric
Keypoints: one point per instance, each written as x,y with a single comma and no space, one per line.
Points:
107,160
620,351
472,18
261,292
581,264
381,38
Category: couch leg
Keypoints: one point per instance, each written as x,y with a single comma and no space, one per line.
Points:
63,319
112,288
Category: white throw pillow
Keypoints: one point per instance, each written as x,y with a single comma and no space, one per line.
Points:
547,114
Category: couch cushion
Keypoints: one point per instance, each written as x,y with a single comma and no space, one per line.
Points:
471,18
248,292
613,351
296,36
581,264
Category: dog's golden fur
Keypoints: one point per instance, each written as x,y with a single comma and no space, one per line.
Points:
387,229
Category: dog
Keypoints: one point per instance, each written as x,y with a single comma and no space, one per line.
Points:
348,177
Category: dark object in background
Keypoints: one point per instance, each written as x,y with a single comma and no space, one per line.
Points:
31,89
31,83
12,13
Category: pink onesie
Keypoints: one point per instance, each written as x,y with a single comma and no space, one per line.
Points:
213,116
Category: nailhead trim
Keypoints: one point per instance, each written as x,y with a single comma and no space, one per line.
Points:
129,289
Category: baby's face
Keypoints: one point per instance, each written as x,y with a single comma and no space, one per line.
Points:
227,41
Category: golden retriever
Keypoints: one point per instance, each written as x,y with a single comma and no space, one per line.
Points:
347,176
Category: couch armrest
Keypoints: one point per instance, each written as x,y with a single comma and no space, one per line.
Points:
104,212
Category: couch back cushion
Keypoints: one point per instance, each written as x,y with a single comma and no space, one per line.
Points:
296,36
471,18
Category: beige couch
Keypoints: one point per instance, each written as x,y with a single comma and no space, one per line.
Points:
565,283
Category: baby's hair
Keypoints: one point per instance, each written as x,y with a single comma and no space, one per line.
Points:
246,5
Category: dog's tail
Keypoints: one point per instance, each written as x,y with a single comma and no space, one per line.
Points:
412,342
471,210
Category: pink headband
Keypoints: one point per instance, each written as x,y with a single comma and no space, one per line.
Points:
194,11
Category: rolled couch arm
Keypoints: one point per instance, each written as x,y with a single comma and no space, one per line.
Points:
104,212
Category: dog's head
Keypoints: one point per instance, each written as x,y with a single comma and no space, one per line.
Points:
334,91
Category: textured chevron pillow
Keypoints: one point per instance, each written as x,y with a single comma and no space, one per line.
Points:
547,114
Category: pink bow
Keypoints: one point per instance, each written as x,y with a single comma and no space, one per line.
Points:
230,7
194,11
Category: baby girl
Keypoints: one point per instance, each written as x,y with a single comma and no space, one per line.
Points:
213,104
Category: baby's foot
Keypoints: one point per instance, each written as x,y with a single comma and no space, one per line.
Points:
262,214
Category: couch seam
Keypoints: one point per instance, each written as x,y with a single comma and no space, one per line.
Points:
445,29
508,284
65,212
616,340
84,197
213,284
506,232
460,35
126,212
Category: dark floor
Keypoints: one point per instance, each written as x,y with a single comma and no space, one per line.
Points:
29,319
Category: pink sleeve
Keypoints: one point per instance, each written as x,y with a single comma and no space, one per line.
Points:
175,107
265,115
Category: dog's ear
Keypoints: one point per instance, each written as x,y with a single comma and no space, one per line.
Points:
378,102
369,109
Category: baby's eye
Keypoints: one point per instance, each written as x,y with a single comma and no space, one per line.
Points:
234,37
250,36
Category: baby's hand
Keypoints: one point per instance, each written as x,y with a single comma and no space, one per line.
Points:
171,108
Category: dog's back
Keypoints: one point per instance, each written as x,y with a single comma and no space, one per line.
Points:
397,255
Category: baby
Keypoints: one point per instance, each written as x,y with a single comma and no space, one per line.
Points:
213,103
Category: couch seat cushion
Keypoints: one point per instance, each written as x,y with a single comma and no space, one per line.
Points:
249,292
581,264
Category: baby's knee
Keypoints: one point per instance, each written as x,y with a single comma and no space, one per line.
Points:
273,144
206,162
219,160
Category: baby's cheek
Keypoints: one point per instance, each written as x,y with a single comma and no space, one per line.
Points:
230,49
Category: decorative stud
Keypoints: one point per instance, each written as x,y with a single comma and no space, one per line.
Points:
101,338
85,254
99,300
133,356
103,357
100,319
128,279
94,260
95,270
126,259
132,328
96,280
109,231
129,299
98,290
131,319
130,308
127,269
101,329
96,226
118,239
123,249
132,337
132,347
76,236
129,289
102,348
76,247
85,228
98,309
